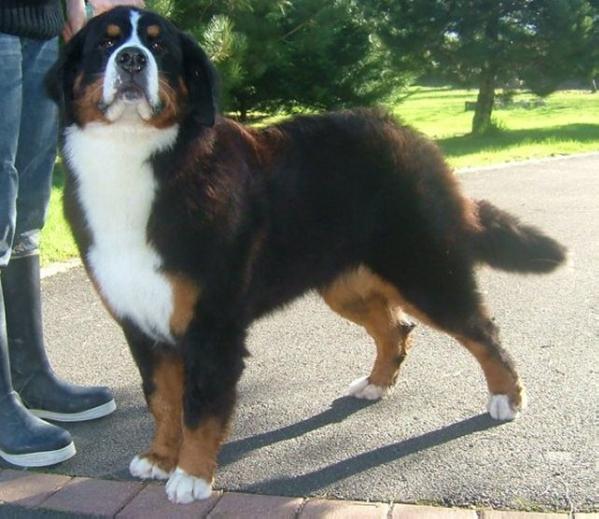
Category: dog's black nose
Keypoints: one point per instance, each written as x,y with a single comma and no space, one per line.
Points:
131,59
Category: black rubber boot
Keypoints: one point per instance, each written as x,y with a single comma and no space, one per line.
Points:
40,389
25,440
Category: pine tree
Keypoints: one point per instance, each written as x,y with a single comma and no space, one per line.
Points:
488,43
274,54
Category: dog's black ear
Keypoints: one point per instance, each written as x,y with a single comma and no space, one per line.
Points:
61,77
200,79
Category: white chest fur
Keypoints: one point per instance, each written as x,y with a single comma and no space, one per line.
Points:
116,191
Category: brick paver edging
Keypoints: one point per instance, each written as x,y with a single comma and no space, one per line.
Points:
82,497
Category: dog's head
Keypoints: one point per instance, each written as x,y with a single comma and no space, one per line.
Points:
130,65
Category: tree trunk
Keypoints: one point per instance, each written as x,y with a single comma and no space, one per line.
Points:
481,122
241,106
243,114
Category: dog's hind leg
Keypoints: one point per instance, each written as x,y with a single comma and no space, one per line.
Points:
355,297
446,297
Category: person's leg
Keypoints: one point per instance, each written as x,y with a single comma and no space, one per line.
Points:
24,439
10,108
39,388
36,151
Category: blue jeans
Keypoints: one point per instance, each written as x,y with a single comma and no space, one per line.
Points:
28,134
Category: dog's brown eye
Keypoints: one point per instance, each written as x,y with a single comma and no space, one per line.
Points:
108,43
156,45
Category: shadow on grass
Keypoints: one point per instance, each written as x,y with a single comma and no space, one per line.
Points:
468,144
439,94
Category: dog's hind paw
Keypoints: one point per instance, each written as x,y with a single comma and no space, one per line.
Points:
362,388
185,488
143,468
501,408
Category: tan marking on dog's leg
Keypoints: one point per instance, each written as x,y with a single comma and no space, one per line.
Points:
200,447
392,343
185,297
166,406
501,377
507,392
357,296
508,395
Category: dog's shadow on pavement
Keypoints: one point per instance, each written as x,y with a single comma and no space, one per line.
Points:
340,409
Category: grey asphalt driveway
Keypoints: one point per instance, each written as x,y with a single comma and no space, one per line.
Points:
430,441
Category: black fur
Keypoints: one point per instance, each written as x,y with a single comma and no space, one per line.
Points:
507,244
200,76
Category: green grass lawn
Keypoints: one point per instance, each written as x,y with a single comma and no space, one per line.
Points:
567,123
57,242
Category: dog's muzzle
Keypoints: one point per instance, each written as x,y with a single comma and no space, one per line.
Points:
131,79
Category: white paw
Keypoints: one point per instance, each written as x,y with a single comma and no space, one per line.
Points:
361,388
499,408
184,488
144,469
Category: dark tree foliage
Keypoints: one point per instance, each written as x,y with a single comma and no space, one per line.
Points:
289,54
324,54
491,43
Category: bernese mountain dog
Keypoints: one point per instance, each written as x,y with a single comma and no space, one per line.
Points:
191,226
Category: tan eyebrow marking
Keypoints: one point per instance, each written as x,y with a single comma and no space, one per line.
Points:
153,31
113,30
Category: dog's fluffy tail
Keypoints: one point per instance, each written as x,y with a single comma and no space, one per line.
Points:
503,242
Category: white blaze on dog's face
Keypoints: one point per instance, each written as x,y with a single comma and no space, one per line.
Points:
131,75
132,66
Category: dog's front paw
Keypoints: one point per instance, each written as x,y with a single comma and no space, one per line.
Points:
362,388
141,467
502,407
185,488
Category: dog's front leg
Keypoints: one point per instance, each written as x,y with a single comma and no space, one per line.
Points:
161,369
213,363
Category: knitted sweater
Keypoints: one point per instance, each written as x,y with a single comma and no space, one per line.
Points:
40,19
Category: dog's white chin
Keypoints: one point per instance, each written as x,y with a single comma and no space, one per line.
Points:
129,110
